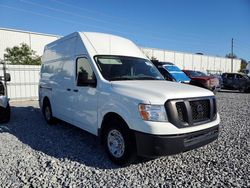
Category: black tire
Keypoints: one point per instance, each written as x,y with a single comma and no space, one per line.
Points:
5,114
247,90
47,113
129,150
8,113
244,90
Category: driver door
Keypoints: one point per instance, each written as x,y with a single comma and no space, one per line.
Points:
84,106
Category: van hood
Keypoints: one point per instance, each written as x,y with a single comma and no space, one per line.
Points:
157,91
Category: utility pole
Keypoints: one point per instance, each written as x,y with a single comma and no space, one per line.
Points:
232,54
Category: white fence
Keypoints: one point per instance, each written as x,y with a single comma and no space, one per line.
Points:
25,78
193,61
24,81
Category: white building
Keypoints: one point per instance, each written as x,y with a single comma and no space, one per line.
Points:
190,61
11,37
24,79
37,41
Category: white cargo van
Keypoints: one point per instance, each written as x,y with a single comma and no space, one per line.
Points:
105,85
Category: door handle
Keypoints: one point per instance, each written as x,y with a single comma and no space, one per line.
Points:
75,90
68,89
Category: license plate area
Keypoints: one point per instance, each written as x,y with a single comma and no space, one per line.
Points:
195,139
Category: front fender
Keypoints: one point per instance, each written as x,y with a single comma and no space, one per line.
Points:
126,109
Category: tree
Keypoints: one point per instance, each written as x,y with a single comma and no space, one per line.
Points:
22,55
231,56
243,64
153,58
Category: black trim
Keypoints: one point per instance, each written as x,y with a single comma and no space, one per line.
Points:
149,145
45,87
172,113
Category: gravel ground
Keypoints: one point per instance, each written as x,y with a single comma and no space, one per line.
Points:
33,154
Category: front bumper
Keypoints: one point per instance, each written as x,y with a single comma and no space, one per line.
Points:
149,145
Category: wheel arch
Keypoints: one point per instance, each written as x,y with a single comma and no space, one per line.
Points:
45,100
108,117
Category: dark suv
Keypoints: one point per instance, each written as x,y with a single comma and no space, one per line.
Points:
236,81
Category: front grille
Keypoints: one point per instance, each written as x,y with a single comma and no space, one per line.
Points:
200,110
190,112
181,110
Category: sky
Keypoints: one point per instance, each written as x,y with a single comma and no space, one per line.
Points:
195,26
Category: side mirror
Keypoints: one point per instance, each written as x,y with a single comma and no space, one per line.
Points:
7,77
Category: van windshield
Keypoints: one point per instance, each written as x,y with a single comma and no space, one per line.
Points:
115,68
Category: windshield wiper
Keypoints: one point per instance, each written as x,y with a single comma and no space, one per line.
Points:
120,78
147,78
133,78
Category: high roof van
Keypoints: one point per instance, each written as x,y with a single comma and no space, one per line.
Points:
105,85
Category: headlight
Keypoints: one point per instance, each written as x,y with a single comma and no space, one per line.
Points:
152,112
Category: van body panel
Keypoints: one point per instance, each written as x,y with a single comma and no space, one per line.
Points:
158,92
85,106
106,44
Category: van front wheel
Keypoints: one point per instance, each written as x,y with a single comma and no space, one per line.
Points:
119,143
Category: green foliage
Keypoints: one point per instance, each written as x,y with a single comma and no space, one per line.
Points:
231,56
21,55
243,64
153,58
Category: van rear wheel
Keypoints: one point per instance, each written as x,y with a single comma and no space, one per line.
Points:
119,143
5,114
47,113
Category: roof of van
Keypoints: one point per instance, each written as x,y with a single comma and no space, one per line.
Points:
107,44
92,43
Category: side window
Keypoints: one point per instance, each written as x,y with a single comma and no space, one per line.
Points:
230,76
238,76
84,73
165,74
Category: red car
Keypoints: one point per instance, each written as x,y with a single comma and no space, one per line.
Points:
202,80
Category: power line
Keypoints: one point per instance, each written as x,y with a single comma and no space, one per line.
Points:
54,17
171,39
240,50
135,25
194,38
243,42
70,13
88,10
243,45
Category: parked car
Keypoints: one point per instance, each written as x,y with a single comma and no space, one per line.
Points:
171,72
217,74
105,85
236,81
4,101
247,70
202,80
